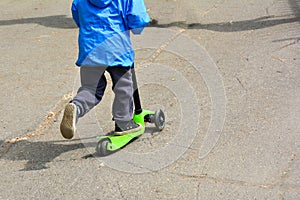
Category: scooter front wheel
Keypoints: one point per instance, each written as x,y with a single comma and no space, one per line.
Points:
101,147
159,120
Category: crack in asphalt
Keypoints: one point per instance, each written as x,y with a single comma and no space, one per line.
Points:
284,175
206,178
121,191
159,50
214,7
41,128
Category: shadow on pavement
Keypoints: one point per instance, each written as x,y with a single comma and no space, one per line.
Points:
235,26
38,154
63,22
295,7
55,21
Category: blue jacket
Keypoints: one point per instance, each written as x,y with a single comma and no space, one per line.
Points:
104,30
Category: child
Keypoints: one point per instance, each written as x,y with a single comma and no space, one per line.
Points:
104,45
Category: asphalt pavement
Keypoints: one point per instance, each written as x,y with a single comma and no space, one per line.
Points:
226,74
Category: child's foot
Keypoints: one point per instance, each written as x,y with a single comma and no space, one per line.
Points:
126,127
69,120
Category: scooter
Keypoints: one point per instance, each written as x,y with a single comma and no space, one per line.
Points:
111,143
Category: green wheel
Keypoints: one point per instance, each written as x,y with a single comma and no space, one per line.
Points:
101,147
159,119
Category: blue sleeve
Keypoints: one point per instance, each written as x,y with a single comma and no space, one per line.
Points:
75,13
137,16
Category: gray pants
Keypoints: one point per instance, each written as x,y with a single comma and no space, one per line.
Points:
93,84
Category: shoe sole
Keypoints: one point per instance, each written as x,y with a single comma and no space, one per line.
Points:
67,126
129,131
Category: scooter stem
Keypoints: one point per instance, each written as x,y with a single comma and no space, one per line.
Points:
136,96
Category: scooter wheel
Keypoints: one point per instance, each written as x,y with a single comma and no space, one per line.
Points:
101,147
159,119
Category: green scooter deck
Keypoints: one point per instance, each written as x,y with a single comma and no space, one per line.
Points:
117,142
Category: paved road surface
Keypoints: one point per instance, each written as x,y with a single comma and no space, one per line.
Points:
225,72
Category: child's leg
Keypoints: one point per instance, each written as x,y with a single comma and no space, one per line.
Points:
123,89
123,102
93,84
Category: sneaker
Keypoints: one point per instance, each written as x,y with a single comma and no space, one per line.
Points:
69,120
126,127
